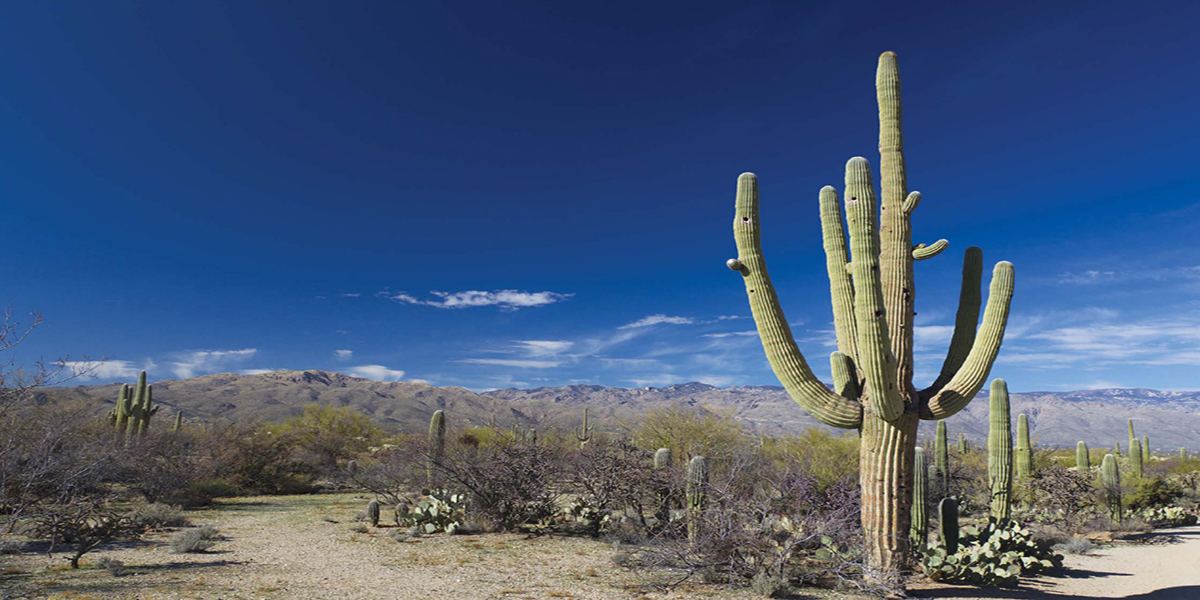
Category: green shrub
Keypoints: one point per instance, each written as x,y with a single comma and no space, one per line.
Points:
1154,493
689,431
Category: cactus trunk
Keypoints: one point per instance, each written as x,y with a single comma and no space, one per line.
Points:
963,447
919,527
1083,460
941,458
1135,458
948,524
437,444
178,421
1024,450
662,496
1110,474
872,291
697,494
584,433
373,513
1000,451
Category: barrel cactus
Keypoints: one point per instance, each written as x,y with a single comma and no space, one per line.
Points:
873,294
697,494
1000,451
1083,459
1023,454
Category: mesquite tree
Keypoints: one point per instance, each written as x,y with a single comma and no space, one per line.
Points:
871,283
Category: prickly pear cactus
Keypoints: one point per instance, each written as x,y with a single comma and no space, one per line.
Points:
993,555
433,512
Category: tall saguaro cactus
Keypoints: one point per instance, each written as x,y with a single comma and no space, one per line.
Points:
963,447
1135,458
584,432
1110,474
1083,459
437,443
662,496
697,494
873,293
941,457
1000,450
1024,449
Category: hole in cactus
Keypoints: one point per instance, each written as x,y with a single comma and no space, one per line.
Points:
745,219
751,291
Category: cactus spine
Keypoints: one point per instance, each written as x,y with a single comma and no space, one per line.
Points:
919,528
1135,458
373,513
697,494
662,497
1000,450
584,433
873,308
948,524
941,457
437,443
1083,460
1024,451
1110,474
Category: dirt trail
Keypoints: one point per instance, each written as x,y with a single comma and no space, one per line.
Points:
1163,565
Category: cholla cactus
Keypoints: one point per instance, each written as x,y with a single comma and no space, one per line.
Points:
1024,450
1083,460
919,528
437,444
1110,474
584,432
697,494
373,513
873,293
1000,451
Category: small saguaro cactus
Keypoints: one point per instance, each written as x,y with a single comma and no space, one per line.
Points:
948,524
963,446
1110,474
873,297
1000,450
1145,447
1132,436
1182,453
919,528
373,513
662,497
584,432
941,457
1083,460
178,421
697,494
1117,449
437,443
1135,458
1024,450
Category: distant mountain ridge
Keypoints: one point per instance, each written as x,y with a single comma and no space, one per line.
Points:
1171,419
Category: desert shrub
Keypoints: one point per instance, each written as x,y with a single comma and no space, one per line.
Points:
437,510
827,457
770,586
255,460
1170,516
114,567
507,485
993,555
359,528
391,472
327,435
11,544
204,491
156,516
689,431
1076,545
1153,493
160,464
196,539
1062,498
610,479
85,523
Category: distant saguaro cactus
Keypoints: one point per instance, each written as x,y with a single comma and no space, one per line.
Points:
662,496
1083,460
963,447
697,494
941,457
373,513
178,421
1000,450
873,298
1135,458
1024,450
919,528
1132,436
584,432
437,444
1145,447
1110,474
1182,453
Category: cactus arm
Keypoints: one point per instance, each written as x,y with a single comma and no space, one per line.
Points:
845,382
895,231
875,357
780,347
911,202
961,388
965,321
922,252
837,259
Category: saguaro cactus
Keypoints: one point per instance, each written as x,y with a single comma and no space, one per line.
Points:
941,457
1145,446
963,447
948,524
1000,450
178,421
697,494
1135,458
437,443
1183,453
919,528
1110,474
1083,460
1024,450
584,433
1132,436
873,299
1117,449
373,513
662,497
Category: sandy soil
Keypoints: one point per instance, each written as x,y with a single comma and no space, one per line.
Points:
1163,565
284,548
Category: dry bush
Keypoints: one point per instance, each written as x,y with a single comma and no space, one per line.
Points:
390,473
689,431
161,464
1063,499
158,516
197,539
509,485
610,478
85,523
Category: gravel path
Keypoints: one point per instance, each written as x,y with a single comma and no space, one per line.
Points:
1164,565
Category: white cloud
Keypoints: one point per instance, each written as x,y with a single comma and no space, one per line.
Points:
657,380
256,371
522,364
715,380
343,354
505,299
190,364
544,347
731,334
1090,277
658,320
926,335
110,369
376,373
730,317
350,295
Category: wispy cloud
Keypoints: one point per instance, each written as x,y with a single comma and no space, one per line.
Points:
376,373
504,299
658,319
731,334
343,354
195,362
109,369
518,363
1093,277
256,371
544,347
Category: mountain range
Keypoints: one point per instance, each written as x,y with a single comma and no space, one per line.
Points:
1170,419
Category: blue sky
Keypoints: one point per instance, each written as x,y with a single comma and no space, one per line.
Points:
540,193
